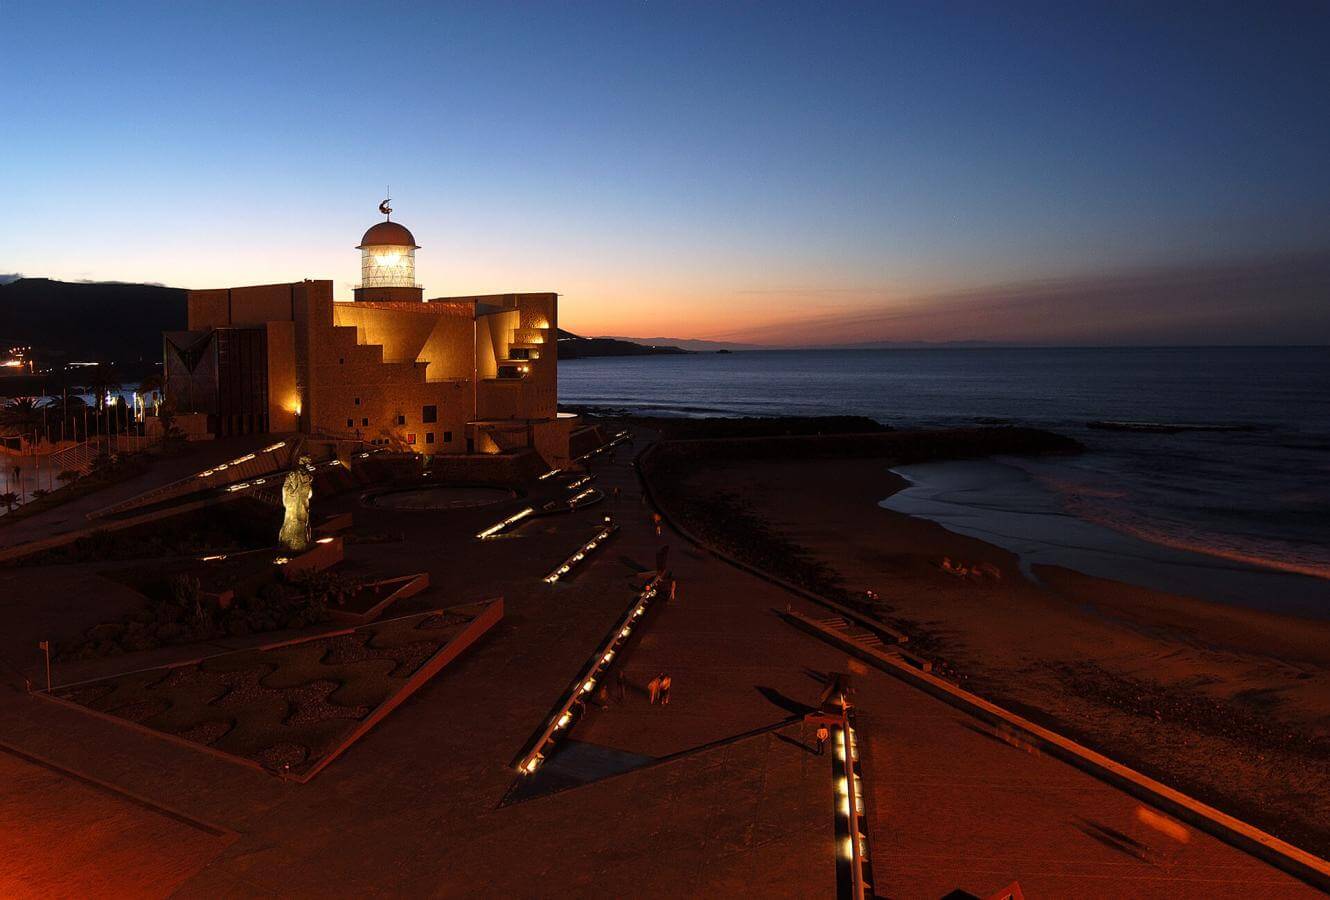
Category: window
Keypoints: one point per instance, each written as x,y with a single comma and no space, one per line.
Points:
447,437
357,401
429,414
411,438
341,360
401,419
365,422
429,437
350,423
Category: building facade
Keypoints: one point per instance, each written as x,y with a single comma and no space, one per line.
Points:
472,374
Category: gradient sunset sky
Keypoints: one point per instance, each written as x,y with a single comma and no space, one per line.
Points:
777,173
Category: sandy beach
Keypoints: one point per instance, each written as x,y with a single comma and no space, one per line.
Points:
1228,703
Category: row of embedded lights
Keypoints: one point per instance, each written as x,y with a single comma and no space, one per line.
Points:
571,562
500,527
241,485
618,439
582,689
222,467
281,560
550,474
847,752
585,479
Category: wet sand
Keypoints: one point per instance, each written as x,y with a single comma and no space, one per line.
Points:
1230,704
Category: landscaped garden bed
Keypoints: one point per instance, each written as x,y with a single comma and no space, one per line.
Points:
289,708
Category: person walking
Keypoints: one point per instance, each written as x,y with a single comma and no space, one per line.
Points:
653,689
665,682
822,735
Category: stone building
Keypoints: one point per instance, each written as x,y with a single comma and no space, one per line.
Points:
474,374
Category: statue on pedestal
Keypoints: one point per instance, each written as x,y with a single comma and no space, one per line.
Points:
296,493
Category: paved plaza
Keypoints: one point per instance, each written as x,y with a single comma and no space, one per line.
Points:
719,793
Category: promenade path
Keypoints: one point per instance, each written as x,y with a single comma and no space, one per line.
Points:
73,516
722,793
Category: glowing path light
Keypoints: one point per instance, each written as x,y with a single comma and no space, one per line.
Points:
500,527
592,674
618,439
550,474
850,807
573,561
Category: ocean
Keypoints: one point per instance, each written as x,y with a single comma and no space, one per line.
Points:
1192,511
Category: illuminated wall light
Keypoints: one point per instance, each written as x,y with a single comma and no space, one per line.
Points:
215,556
243,459
324,540
277,446
550,474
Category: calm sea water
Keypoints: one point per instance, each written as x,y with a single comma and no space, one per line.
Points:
1258,497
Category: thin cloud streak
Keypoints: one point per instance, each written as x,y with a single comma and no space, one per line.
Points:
1280,300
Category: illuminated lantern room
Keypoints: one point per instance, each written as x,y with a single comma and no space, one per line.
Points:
388,264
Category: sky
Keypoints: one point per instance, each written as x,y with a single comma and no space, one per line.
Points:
775,173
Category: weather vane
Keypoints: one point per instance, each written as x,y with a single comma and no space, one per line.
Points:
384,207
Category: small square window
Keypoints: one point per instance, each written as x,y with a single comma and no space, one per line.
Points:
401,419
350,423
429,414
357,401
429,437
341,360
365,422
447,437
411,438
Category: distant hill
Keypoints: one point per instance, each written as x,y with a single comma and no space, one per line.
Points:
695,345
101,321
574,346
123,323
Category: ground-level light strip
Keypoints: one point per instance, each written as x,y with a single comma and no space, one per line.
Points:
572,562
240,460
850,809
580,691
550,474
499,528
618,439
581,482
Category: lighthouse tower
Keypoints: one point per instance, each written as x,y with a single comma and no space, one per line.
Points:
388,263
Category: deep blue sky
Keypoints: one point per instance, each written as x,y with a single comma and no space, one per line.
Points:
690,169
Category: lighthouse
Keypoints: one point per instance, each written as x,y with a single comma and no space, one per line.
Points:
388,263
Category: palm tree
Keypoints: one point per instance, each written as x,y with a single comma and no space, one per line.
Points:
70,411
23,415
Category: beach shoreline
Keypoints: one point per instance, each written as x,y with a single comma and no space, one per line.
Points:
1230,704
